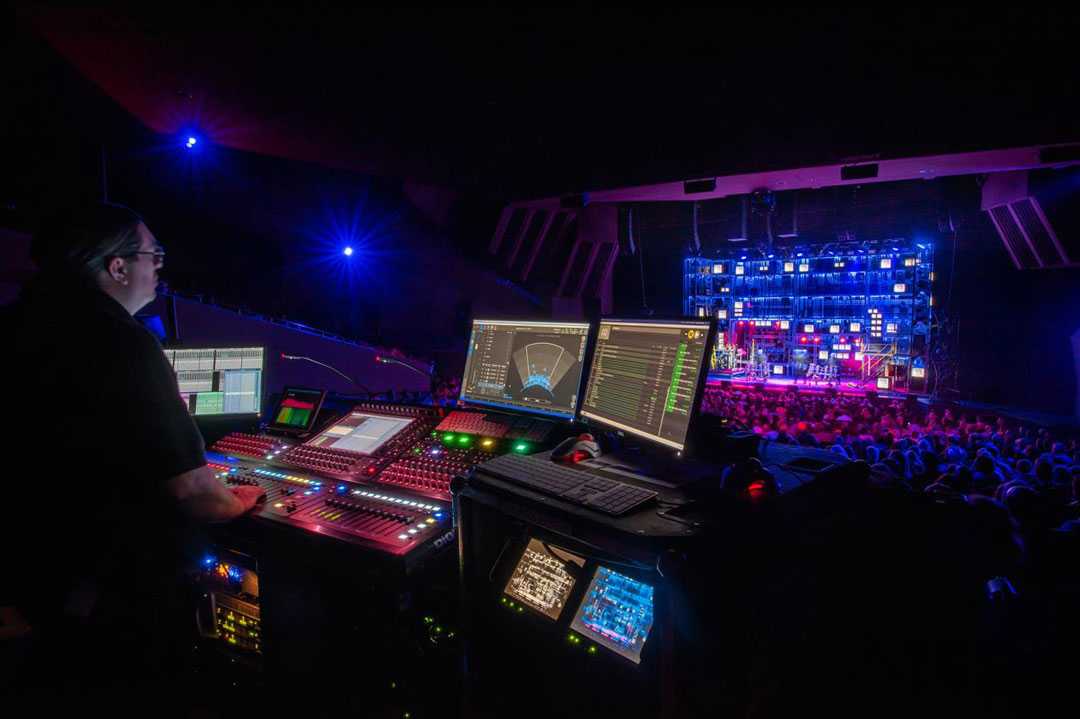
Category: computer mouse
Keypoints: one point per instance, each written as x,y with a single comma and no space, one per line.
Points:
575,449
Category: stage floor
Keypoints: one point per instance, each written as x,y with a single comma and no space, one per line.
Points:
782,384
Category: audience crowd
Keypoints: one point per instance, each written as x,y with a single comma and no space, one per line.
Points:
942,450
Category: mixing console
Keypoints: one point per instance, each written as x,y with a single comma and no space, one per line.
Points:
497,425
259,446
365,440
392,522
431,463
407,447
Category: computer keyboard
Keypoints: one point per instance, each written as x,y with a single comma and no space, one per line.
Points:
539,473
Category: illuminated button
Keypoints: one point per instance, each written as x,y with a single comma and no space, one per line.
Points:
278,505
412,531
430,521
403,536
421,526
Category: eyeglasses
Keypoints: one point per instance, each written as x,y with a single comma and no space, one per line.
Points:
158,255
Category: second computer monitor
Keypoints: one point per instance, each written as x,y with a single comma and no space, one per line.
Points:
647,377
526,366
219,381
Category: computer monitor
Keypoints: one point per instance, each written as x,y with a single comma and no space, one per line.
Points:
360,432
616,612
297,410
544,577
526,366
216,382
647,377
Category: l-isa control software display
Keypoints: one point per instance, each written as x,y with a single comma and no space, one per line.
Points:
526,366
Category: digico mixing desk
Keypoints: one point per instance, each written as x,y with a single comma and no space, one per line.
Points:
378,476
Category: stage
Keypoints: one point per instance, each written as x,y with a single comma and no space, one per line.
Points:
850,387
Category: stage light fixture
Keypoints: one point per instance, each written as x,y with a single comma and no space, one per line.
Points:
348,251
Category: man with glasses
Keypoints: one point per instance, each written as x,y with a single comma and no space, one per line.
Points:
108,469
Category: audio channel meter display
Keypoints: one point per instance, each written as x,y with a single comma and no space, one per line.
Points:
617,613
219,381
297,409
544,577
646,378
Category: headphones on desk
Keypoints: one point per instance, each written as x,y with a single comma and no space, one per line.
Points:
748,479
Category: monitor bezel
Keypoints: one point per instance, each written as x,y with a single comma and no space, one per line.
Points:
262,381
465,402
314,416
699,393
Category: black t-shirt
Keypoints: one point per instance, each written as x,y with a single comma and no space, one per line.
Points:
94,416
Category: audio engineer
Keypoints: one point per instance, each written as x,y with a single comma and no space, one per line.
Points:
110,473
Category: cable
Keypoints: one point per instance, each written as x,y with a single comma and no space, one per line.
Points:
332,369
392,360
491,572
952,269
641,271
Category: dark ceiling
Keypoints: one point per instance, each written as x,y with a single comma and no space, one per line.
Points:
525,103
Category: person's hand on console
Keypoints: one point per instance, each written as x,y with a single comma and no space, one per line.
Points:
249,496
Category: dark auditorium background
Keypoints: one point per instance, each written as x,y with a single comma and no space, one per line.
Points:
406,131
341,193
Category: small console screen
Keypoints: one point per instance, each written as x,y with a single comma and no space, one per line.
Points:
297,409
360,432
544,577
617,613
